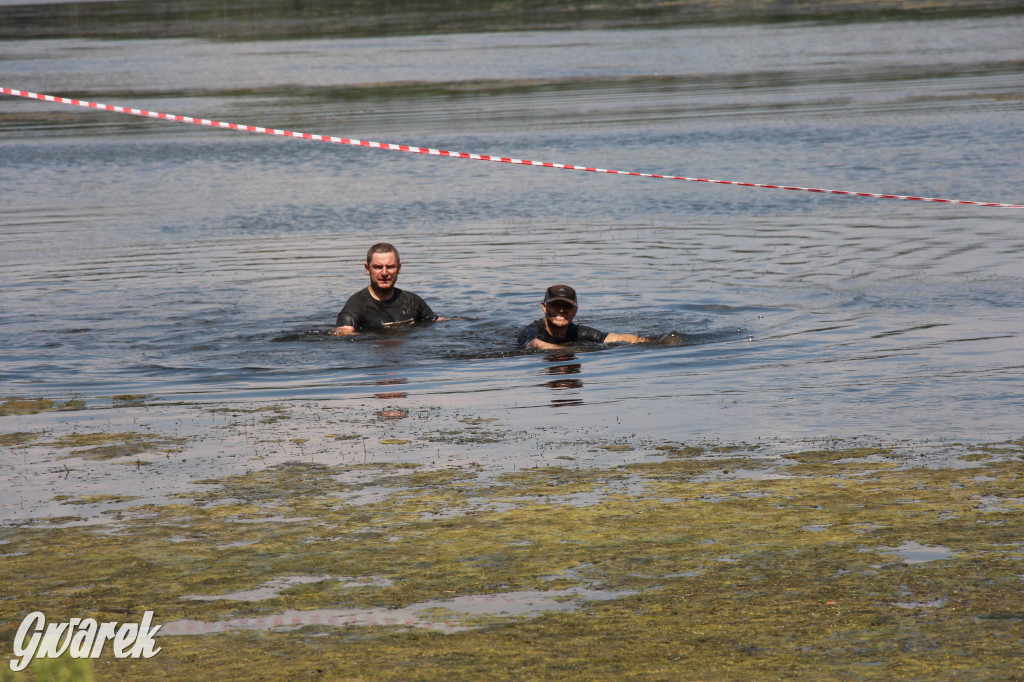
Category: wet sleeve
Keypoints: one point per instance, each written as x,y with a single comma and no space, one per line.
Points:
528,334
590,335
352,313
423,311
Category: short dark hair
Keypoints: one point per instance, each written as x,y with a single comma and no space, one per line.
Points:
382,247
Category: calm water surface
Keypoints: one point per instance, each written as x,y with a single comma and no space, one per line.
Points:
141,257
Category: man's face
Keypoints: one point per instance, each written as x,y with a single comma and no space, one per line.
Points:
383,270
559,313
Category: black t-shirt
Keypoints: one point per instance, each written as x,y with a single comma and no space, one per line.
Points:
577,333
363,311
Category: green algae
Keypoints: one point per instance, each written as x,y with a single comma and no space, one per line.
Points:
276,413
236,410
734,578
103,446
471,434
62,669
59,520
18,438
108,498
679,450
556,480
130,400
17,405
819,456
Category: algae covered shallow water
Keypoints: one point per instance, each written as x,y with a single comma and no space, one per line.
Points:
372,548
816,473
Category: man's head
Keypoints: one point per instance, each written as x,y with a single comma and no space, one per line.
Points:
561,292
383,266
559,305
382,247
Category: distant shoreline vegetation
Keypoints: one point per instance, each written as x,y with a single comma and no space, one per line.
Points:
284,19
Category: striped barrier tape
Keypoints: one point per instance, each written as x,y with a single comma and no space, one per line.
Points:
464,155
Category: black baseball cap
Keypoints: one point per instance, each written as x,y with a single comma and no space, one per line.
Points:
560,292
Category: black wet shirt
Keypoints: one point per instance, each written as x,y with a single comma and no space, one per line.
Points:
363,311
577,333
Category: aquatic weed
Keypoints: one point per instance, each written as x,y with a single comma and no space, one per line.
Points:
732,578
17,405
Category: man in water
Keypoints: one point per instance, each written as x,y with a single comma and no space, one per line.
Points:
556,328
382,305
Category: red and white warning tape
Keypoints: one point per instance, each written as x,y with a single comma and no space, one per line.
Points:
464,155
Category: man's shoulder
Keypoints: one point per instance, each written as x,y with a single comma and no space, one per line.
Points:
406,295
362,295
532,331
420,308
585,334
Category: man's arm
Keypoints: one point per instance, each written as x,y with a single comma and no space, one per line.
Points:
624,338
351,314
528,339
537,344
591,335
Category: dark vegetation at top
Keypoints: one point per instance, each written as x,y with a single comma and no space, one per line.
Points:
284,19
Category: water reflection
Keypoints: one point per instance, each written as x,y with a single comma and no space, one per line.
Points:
566,366
573,368
389,340
457,612
566,402
390,395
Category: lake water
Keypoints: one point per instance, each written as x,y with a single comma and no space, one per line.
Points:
189,264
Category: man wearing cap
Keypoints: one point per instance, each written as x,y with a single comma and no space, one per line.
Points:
382,305
556,328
